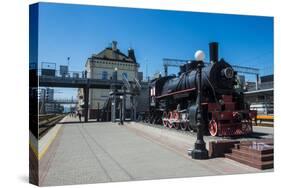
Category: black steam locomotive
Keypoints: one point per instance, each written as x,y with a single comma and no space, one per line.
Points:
173,99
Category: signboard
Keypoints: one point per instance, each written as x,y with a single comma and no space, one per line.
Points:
48,69
63,70
75,75
48,65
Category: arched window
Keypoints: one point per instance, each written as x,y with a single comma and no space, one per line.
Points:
104,75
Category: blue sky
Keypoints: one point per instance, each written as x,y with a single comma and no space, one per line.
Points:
79,31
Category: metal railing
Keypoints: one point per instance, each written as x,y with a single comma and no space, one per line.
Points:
261,86
57,73
51,73
73,101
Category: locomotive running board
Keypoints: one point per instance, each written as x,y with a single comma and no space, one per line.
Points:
177,92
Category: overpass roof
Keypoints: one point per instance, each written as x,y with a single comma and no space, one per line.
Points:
259,91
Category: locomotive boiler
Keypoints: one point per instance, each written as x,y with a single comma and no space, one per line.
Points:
173,99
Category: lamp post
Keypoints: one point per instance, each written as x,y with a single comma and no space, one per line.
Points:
199,151
115,77
68,58
121,110
113,96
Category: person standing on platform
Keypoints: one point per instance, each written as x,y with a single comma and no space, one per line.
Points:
79,115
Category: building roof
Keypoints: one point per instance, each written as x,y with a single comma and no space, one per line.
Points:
114,54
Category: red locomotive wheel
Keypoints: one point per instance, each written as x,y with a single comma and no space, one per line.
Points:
247,126
190,129
177,126
171,125
213,128
170,116
176,115
249,129
184,126
165,123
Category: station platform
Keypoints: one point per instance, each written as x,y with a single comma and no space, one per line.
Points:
96,152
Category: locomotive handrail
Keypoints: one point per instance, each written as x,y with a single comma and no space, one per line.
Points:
177,92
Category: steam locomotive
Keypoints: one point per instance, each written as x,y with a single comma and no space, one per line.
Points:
173,99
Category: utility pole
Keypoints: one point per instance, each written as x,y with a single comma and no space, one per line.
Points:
146,68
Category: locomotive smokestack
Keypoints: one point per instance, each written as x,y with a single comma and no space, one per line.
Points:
214,53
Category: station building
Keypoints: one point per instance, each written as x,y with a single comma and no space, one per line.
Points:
101,66
262,99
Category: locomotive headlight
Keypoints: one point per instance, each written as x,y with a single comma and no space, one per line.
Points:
228,72
199,55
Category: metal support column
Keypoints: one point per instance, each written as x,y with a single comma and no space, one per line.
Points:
133,108
113,96
86,103
166,70
98,112
257,81
113,108
124,104
107,110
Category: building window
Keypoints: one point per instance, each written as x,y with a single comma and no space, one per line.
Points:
104,75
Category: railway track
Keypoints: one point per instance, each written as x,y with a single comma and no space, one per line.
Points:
46,122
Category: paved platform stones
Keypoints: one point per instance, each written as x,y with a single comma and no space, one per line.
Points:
106,152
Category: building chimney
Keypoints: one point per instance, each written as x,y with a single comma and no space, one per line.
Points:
131,54
214,54
114,45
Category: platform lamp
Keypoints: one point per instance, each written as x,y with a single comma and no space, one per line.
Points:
115,77
121,110
199,151
114,92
